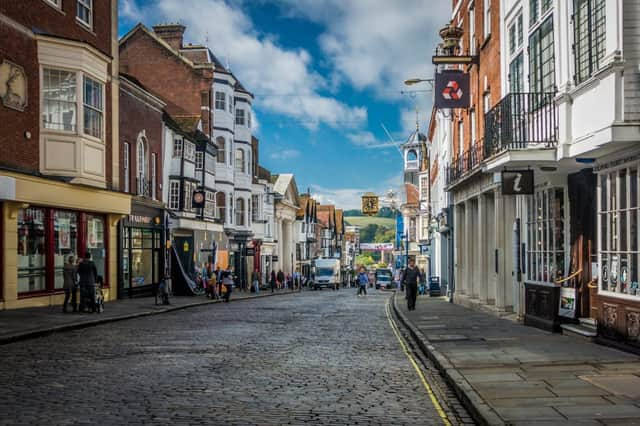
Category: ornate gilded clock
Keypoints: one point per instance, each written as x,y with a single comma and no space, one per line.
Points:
369,204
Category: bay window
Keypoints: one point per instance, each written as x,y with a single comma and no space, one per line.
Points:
240,166
618,239
220,206
239,117
220,101
59,106
93,107
589,30
240,212
210,204
174,195
546,236
542,59
189,151
177,148
221,149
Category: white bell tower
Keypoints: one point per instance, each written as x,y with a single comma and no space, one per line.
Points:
412,152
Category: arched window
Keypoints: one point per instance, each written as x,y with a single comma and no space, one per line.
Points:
141,168
240,166
411,155
221,149
240,211
221,203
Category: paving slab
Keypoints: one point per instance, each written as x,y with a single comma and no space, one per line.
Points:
522,375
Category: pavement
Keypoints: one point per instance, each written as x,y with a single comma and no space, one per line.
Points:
26,323
507,373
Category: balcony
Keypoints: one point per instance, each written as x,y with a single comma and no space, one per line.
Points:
465,163
143,187
519,122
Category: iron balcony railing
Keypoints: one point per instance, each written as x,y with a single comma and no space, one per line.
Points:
521,121
465,162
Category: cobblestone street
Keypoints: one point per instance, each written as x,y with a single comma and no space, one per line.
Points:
317,357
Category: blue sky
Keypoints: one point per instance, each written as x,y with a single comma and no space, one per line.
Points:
325,73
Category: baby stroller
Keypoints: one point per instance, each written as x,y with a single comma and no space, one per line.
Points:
98,302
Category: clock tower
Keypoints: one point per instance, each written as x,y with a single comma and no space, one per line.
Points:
412,153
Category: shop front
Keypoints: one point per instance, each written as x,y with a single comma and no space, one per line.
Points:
44,224
616,297
142,259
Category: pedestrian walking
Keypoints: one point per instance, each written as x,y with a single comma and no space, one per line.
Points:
410,278
227,282
280,278
70,284
272,281
88,274
363,280
255,281
213,286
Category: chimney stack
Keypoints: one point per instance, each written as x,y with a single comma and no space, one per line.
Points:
171,33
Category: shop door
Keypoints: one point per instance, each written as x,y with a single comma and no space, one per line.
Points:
184,248
582,200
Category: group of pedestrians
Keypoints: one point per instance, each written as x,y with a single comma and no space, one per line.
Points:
82,275
410,278
217,283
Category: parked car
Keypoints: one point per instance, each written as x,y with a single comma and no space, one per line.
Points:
383,278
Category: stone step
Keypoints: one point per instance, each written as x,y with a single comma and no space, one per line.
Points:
589,323
580,331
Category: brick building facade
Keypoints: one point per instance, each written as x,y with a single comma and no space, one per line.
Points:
57,157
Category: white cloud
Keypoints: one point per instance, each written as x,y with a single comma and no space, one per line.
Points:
376,43
285,154
263,66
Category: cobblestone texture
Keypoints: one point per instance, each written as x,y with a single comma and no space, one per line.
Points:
312,358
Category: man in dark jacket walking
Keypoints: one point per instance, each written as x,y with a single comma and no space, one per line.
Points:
410,278
88,274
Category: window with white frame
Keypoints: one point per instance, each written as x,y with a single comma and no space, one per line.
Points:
220,206
249,119
239,117
221,101
85,12
255,210
210,204
516,55
209,163
538,9
59,93
231,209
618,236
93,107
230,103
221,155
546,235
487,18
199,160
177,147
125,162
56,3
473,126
188,189
154,176
472,29
589,30
141,169
541,59
189,151
174,195
240,166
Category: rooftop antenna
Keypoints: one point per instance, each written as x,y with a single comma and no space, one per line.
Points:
417,120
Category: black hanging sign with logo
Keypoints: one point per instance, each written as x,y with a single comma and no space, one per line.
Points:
517,182
198,199
452,89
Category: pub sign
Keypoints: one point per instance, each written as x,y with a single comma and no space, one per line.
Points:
452,89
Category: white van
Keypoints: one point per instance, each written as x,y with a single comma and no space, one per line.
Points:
326,273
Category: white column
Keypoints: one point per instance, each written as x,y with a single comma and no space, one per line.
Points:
482,247
459,264
499,238
468,247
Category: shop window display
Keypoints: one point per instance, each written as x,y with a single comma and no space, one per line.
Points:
31,250
546,253
95,242
65,235
618,216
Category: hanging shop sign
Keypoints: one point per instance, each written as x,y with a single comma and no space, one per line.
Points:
369,204
517,182
198,199
452,89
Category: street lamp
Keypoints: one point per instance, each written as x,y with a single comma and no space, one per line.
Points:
413,81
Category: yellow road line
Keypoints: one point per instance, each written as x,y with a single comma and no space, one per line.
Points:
413,362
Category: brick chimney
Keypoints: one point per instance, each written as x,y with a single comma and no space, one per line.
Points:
171,33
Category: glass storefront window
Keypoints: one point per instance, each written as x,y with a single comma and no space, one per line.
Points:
141,256
95,242
546,234
618,217
65,242
31,250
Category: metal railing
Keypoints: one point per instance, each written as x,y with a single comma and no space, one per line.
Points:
465,162
521,121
